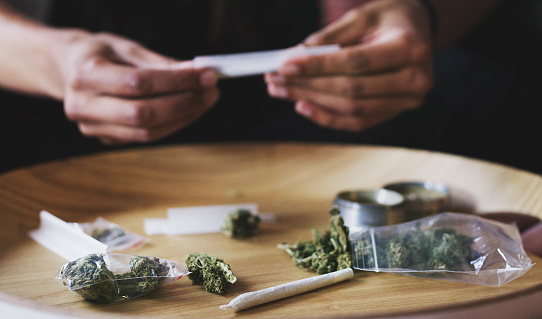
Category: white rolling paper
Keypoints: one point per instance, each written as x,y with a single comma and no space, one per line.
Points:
254,63
63,239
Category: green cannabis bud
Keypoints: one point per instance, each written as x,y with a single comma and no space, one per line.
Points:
90,278
146,275
105,235
437,248
210,272
107,277
240,224
327,252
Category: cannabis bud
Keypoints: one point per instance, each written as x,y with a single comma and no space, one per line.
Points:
105,235
110,277
210,272
326,253
240,224
436,248
114,236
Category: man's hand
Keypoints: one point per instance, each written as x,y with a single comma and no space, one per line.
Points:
383,69
120,92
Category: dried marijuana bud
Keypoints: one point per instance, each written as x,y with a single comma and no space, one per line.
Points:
210,272
110,277
146,275
105,235
89,277
325,253
114,236
431,249
240,224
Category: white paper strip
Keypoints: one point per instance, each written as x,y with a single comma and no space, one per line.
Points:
63,239
156,226
254,63
202,219
197,219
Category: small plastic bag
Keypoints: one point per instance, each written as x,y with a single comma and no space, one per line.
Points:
115,237
448,246
110,277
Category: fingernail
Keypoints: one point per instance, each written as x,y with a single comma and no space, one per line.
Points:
303,108
313,39
289,69
275,78
208,78
277,91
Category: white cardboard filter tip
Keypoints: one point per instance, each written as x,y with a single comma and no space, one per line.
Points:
196,219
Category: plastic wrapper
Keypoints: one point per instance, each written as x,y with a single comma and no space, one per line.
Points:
110,277
115,237
447,246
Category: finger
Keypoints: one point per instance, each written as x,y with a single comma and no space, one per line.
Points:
345,105
111,141
118,135
349,29
142,57
105,77
146,112
390,50
412,80
126,50
113,134
329,119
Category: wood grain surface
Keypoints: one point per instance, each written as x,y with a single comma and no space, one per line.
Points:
297,182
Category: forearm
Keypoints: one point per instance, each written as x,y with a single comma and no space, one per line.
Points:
28,54
455,18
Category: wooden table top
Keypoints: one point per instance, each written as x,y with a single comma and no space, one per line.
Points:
297,182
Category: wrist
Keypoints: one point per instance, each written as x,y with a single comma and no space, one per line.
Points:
59,51
31,55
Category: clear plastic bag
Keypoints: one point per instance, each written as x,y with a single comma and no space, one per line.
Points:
115,237
110,277
448,246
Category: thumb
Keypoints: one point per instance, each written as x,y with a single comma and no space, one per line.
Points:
138,55
347,30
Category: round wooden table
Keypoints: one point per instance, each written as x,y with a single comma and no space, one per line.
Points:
297,182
